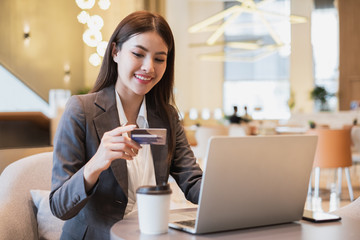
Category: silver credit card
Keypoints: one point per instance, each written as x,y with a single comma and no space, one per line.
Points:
155,136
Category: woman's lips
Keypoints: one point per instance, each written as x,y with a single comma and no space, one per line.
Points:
143,78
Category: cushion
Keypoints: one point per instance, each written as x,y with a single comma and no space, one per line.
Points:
49,226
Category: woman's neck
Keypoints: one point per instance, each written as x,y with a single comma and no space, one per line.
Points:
130,101
131,104
131,108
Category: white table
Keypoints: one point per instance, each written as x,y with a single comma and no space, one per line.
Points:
346,229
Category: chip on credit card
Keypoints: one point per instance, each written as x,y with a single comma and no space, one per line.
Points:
155,136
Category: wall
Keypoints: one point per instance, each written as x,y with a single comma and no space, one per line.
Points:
40,65
198,83
56,39
349,64
301,59
8,156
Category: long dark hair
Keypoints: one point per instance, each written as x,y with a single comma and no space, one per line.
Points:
160,97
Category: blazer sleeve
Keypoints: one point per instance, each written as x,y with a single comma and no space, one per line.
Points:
184,169
68,195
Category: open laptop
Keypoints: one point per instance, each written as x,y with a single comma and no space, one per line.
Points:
251,181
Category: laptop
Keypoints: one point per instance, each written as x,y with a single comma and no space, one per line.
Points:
250,182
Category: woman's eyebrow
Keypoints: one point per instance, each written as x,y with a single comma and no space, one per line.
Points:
146,50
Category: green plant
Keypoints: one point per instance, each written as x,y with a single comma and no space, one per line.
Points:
84,90
291,101
312,124
321,94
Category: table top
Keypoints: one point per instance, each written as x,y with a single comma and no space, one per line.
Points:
290,130
347,228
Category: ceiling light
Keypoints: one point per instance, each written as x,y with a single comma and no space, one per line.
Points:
205,114
83,17
217,17
233,12
92,37
240,55
95,59
247,45
95,22
101,48
193,114
104,4
27,35
85,4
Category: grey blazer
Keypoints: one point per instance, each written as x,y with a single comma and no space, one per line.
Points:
85,120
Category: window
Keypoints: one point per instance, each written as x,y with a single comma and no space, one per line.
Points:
259,79
325,42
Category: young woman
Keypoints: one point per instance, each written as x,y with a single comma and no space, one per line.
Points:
97,167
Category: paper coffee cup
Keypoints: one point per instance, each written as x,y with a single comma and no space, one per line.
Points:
153,208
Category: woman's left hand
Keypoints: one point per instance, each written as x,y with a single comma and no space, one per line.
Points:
114,145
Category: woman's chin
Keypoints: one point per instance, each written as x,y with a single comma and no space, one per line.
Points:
141,92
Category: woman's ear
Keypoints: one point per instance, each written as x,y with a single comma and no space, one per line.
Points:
114,50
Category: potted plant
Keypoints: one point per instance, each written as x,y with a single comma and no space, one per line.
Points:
321,95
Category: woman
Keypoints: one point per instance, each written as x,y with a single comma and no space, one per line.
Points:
97,167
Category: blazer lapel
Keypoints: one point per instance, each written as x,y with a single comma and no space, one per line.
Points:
159,152
106,119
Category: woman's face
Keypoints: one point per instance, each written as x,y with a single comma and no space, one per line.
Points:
141,63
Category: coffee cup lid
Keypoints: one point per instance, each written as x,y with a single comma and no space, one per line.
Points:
154,190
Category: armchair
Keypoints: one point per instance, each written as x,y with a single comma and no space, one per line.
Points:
18,214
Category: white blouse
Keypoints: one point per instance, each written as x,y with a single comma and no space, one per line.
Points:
141,168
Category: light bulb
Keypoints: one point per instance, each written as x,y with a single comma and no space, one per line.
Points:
95,22
193,114
101,48
205,114
104,4
92,37
95,59
26,34
83,17
85,4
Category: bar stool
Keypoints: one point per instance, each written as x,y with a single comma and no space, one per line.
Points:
333,151
355,137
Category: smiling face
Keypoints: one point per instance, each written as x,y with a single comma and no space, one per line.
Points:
141,63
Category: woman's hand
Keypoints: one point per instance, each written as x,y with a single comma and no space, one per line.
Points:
113,146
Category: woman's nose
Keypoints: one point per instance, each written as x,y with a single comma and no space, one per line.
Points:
148,65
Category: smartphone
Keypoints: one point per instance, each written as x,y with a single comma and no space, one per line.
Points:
319,217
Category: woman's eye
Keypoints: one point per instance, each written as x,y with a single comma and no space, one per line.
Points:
137,54
159,60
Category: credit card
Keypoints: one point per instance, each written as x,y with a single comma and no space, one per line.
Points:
155,136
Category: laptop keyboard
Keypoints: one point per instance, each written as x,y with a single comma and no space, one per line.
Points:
188,223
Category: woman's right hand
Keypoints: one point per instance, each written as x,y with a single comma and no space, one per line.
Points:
113,145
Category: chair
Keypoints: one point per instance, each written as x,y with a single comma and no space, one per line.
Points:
352,210
203,134
190,135
17,216
355,137
21,217
333,151
237,130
